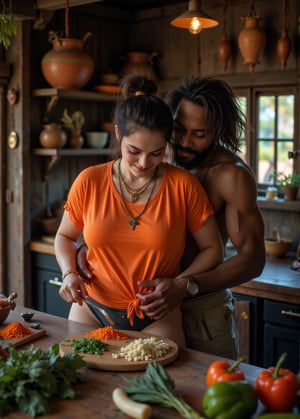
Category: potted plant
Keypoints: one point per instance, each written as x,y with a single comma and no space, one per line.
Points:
287,183
74,124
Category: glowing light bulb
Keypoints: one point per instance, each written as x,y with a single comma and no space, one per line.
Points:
195,26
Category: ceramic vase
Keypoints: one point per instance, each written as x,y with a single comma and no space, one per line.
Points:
139,63
224,52
67,65
251,41
76,140
52,136
284,46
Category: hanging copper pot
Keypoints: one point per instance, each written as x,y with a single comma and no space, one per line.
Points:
67,65
284,46
251,41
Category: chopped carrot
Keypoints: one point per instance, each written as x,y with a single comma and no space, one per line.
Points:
15,330
107,333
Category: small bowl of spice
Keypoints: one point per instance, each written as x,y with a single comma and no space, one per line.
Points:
27,315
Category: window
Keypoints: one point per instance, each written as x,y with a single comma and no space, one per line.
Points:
275,134
271,131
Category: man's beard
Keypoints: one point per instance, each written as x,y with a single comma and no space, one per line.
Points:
197,159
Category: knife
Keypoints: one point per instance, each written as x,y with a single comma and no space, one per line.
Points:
101,310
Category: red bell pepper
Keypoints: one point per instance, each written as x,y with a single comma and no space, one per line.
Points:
224,371
277,387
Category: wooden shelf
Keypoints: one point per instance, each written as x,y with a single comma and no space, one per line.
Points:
60,152
74,94
278,204
54,154
54,95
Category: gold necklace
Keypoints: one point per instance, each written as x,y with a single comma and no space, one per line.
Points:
135,193
134,221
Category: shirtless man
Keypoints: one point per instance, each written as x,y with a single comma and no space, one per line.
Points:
208,124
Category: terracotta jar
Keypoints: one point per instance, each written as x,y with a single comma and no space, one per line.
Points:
139,63
67,65
52,136
224,51
284,46
251,41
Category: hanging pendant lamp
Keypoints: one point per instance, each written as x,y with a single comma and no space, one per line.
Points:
194,19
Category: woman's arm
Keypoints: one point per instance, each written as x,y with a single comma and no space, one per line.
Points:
65,246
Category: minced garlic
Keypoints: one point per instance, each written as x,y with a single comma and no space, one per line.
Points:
141,349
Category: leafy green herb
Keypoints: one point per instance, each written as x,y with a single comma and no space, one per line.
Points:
8,25
30,378
89,346
157,387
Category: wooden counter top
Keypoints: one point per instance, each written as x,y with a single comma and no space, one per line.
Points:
277,282
93,397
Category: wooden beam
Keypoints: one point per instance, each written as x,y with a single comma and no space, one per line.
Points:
60,4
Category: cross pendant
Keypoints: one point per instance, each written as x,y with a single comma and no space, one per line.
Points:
133,222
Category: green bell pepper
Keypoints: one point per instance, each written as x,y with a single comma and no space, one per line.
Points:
230,400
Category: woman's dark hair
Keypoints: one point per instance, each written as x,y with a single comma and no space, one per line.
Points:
223,113
141,108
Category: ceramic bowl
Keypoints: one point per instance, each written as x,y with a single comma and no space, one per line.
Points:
5,307
27,315
50,225
277,248
109,78
96,139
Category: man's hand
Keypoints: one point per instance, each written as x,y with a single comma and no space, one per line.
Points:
165,296
82,264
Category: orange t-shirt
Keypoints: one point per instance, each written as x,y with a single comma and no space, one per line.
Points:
120,256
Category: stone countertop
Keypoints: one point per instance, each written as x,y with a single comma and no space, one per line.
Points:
277,282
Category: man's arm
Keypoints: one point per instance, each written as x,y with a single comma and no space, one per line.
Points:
245,228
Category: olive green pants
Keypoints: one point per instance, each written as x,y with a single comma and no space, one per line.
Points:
208,323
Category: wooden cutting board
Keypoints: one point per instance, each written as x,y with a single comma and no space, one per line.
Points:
36,333
107,362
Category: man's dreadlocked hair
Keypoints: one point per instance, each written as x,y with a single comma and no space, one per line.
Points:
224,116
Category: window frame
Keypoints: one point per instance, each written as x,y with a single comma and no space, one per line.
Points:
252,94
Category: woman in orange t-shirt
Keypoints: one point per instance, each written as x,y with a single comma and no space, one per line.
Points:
135,213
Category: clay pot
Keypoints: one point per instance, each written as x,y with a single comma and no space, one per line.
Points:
52,136
290,194
224,52
284,46
139,63
67,65
251,41
76,140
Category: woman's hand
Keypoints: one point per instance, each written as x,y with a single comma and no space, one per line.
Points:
165,296
82,264
73,290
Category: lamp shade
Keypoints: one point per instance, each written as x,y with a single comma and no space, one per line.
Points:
194,19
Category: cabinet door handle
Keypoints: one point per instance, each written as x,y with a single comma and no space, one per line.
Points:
290,314
55,282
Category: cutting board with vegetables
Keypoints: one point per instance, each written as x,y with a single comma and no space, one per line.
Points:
106,361
35,334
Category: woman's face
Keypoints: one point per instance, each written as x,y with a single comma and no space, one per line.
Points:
143,151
